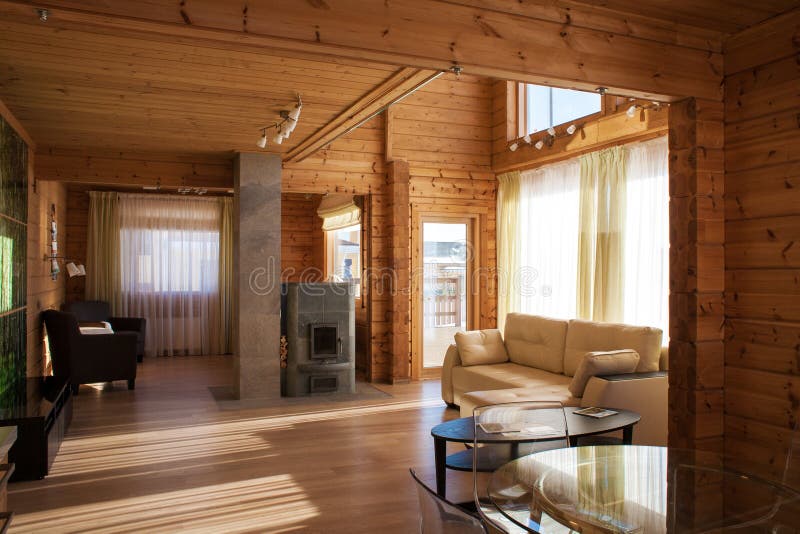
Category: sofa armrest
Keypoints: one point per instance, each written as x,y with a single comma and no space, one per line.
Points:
127,324
643,393
451,359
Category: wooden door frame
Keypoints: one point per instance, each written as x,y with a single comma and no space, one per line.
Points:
476,219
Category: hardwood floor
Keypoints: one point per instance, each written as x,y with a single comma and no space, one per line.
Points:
166,458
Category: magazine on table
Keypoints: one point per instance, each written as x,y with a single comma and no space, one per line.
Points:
597,413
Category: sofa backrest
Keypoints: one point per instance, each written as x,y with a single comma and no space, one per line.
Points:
589,336
89,311
536,341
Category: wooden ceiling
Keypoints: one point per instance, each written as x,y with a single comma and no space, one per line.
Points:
85,90
204,77
723,16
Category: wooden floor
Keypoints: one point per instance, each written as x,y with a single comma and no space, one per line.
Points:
166,458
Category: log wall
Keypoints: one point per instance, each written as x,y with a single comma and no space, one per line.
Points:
762,251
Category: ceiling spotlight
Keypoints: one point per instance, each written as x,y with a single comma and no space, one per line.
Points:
571,129
513,147
43,14
294,114
278,138
527,138
631,111
539,144
551,131
602,90
262,142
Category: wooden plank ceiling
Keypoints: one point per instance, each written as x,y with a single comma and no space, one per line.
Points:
97,91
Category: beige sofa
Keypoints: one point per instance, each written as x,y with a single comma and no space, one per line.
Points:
543,355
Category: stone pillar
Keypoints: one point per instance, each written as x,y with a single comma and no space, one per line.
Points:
257,260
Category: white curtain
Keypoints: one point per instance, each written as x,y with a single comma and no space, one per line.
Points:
647,235
548,218
169,251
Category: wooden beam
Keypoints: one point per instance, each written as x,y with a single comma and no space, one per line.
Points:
12,120
399,223
597,134
420,33
397,86
134,169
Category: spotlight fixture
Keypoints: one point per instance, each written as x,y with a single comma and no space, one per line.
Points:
527,138
539,144
284,127
551,131
513,147
602,90
262,142
631,111
571,129
43,14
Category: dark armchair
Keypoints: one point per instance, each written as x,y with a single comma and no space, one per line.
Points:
83,359
94,311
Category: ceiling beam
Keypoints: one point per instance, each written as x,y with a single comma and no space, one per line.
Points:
402,83
430,34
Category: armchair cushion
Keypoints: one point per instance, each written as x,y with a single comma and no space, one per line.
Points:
602,364
481,347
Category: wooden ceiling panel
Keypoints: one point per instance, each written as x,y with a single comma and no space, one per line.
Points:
89,89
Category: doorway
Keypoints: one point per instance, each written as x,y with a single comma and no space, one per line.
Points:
444,293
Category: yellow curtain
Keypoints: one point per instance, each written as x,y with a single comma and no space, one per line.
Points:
600,244
103,269
508,243
226,275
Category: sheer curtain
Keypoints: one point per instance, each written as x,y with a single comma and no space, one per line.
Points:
508,241
601,245
647,235
169,255
102,255
548,233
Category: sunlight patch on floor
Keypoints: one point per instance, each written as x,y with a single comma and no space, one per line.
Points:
257,505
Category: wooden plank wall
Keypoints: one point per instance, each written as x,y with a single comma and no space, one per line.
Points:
762,251
43,292
444,132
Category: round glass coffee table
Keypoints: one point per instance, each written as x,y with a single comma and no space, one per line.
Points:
636,489
463,431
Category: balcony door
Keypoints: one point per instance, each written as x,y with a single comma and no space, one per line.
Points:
443,296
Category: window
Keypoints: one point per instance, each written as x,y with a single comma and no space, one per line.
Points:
549,208
344,255
542,107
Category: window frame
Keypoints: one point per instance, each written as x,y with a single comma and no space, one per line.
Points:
521,111
330,268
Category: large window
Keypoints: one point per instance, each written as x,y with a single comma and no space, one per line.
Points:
550,264
344,255
542,107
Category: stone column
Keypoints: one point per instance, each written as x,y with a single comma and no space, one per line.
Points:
257,259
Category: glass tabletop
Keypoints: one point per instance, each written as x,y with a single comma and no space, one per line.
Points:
636,489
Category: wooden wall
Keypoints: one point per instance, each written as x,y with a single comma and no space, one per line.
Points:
43,292
762,251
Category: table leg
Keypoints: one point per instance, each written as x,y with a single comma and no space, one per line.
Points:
440,455
627,435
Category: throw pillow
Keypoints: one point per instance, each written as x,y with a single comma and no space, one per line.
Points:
602,363
481,347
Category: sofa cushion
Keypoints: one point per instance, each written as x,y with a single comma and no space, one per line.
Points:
481,347
476,399
536,341
587,336
506,375
602,364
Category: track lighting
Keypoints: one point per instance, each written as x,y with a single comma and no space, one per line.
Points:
551,131
262,142
527,138
284,127
631,111
539,144
571,129
513,147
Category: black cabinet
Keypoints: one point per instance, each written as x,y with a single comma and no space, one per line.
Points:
41,413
